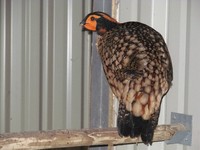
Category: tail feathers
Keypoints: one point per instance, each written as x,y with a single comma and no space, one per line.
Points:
129,125
149,127
125,122
147,133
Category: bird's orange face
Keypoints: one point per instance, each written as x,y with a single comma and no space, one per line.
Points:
90,23
98,22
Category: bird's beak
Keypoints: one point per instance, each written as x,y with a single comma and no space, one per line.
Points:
82,23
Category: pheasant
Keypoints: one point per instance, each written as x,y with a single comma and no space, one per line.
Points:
138,68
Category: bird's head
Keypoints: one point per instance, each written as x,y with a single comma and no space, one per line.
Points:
99,22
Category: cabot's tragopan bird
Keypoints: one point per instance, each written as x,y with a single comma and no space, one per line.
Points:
138,68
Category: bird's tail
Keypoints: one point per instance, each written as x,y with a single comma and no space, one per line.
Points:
124,121
129,125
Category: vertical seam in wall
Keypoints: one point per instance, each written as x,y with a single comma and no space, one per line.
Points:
187,56
53,63
29,59
8,65
166,20
2,65
139,10
23,73
152,12
50,65
69,64
165,38
45,62
41,67
82,70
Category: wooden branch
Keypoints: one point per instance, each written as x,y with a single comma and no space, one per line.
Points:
75,138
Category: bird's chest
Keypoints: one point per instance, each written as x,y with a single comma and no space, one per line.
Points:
114,60
114,53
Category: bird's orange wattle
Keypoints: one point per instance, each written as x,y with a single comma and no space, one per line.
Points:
90,26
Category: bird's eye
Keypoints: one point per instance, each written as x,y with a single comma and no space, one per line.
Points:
92,18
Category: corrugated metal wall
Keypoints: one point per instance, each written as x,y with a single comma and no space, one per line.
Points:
45,59
178,21
44,79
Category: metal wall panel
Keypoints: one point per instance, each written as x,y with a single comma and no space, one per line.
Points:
5,65
178,22
43,70
193,70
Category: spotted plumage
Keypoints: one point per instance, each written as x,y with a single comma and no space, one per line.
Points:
138,68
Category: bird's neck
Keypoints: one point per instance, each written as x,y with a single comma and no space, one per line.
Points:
109,25
105,25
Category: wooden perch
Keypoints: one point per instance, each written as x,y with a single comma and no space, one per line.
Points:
75,138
